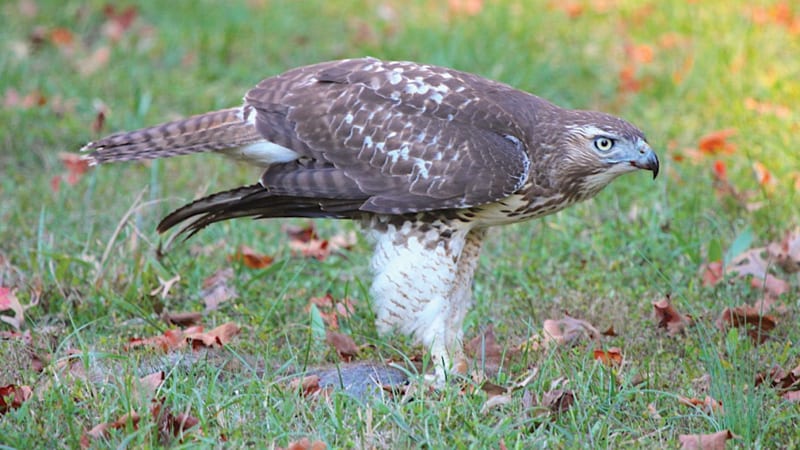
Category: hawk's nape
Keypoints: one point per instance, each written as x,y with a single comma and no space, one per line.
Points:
424,157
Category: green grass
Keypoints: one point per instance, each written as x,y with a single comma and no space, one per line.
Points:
605,260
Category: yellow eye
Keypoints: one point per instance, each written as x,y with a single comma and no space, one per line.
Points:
603,144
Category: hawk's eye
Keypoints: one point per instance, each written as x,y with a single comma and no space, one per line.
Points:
603,144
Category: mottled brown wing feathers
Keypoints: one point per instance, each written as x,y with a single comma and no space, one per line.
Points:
205,132
403,137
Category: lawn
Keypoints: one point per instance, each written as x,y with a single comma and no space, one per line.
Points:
714,84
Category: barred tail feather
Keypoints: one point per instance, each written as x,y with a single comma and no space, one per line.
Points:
213,131
251,201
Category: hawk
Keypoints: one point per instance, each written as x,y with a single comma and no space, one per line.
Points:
425,158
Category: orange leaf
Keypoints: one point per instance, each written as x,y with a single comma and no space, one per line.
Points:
720,170
611,357
717,142
763,175
251,259
76,166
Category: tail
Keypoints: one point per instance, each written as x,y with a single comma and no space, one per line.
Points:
213,131
252,201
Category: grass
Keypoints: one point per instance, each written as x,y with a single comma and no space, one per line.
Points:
605,260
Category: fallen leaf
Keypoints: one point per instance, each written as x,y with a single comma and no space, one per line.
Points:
707,405
95,61
182,319
344,345
669,318
164,286
170,340
485,350
118,22
609,332
305,444
331,309
10,302
13,396
712,273
715,441
558,400
216,289
75,165
216,337
568,331
62,38
786,253
767,108
764,176
99,117
465,7
147,385
251,259
495,401
302,234
308,385
102,430
791,396
754,321
611,357
717,142
170,424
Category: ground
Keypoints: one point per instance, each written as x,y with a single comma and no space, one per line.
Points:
712,84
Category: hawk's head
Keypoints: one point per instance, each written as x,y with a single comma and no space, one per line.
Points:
599,148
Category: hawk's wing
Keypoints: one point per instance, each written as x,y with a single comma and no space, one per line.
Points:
403,137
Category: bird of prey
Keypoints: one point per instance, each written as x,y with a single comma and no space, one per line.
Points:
425,158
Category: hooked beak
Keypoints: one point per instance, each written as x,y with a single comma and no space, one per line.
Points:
647,159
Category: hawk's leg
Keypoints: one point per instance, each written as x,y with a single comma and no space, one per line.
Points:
422,285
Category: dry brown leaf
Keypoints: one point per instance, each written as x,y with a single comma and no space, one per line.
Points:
164,286
708,405
714,441
756,323
148,384
170,340
102,430
791,396
611,357
786,253
568,331
712,273
669,318
610,332
717,142
558,400
169,424
344,345
251,259
13,396
308,385
305,444
495,401
75,165
331,309
217,337
182,319
485,350
216,289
